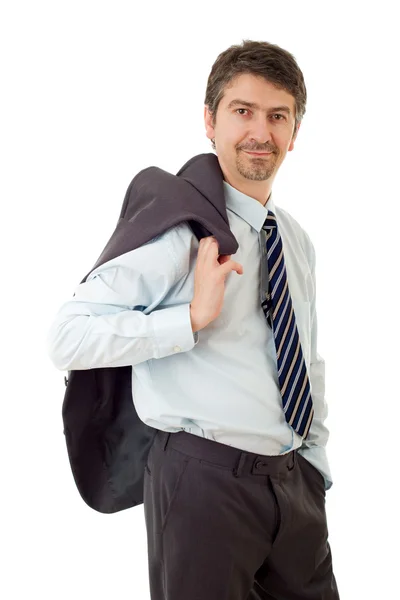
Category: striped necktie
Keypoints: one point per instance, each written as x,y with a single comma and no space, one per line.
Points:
292,370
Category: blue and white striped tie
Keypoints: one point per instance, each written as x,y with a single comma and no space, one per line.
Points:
292,370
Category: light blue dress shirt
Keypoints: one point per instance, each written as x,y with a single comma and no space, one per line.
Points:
220,383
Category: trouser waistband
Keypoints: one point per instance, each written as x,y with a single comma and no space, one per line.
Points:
240,461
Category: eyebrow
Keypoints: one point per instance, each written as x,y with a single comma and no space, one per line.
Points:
238,102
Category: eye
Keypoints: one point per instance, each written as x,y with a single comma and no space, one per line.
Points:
241,109
278,115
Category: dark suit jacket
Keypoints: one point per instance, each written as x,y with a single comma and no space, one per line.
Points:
107,442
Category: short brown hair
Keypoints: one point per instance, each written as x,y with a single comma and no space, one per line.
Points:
270,61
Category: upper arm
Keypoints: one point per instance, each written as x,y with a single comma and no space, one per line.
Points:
138,279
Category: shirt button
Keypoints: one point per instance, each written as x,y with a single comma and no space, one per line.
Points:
177,348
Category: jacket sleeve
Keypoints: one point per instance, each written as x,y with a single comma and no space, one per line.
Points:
116,319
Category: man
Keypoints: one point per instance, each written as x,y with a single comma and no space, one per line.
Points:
225,363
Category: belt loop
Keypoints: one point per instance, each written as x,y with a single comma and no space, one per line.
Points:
166,441
237,471
293,461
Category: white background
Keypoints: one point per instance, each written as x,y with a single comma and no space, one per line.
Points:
91,93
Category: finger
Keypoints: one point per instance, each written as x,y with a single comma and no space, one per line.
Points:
201,251
223,258
208,252
212,253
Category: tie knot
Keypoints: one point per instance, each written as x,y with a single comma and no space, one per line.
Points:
270,221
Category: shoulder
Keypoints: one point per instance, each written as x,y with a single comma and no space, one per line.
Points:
166,253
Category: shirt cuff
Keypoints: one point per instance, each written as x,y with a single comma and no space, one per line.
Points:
173,330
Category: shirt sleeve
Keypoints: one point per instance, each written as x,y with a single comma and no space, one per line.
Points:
116,317
314,446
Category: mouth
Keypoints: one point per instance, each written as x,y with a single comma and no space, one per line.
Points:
257,153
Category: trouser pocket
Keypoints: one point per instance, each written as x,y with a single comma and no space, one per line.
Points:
164,473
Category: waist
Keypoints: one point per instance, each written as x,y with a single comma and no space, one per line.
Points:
226,456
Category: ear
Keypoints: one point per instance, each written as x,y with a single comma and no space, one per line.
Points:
210,132
294,138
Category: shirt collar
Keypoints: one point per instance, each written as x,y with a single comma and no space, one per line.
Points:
246,207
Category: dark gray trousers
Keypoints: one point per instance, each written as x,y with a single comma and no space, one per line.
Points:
223,524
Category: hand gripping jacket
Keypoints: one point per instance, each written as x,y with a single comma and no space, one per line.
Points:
107,443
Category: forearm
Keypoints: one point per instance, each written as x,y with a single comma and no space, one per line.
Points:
79,339
319,433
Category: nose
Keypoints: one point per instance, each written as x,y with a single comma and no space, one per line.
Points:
260,131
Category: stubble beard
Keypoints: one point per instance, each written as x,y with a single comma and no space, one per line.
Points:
255,169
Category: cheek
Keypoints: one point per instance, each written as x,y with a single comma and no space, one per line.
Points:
232,132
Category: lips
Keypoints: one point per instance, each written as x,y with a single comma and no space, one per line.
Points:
257,153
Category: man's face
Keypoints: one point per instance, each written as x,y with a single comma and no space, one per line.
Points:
251,117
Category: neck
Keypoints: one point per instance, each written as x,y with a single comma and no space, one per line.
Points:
259,190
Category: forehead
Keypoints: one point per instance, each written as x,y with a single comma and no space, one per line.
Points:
255,89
